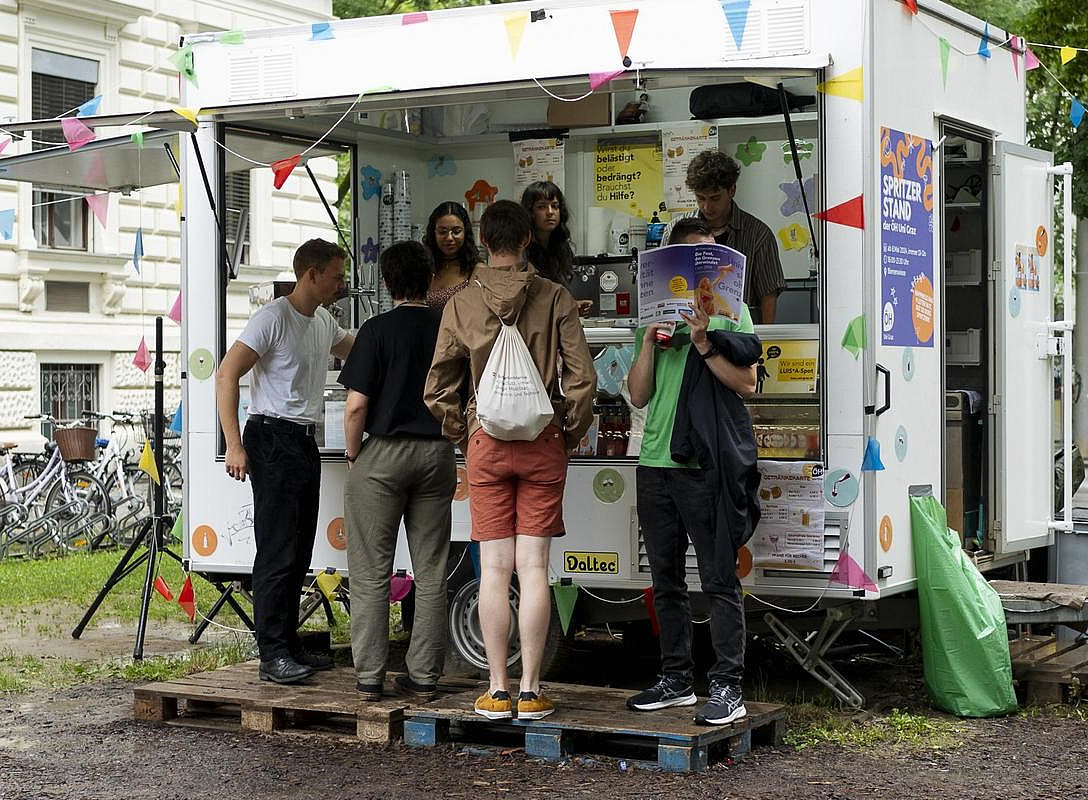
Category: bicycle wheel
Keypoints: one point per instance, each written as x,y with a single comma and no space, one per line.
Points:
26,469
86,526
173,487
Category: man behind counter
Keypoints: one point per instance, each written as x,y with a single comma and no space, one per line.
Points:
712,176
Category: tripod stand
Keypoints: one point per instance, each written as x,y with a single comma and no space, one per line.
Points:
152,534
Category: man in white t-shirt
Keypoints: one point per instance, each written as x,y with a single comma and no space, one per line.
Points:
286,344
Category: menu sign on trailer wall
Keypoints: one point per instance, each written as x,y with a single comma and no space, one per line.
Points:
538,160
906,239
679,145
790,533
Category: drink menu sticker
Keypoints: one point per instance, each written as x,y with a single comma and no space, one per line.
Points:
679,145
538,160
790,534
906,239
672,279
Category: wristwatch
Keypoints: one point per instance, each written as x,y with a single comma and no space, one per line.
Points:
711,351
350,458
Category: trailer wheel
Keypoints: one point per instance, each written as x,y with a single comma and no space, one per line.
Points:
466,653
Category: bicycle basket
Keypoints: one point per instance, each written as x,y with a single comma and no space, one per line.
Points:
76,444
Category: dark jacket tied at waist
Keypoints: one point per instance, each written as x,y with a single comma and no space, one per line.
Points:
713,426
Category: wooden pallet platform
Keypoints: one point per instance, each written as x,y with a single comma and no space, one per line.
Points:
592,720
1051,670
233,697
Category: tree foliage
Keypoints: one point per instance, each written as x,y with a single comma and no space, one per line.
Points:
346,9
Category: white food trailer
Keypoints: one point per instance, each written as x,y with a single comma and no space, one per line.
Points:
915,345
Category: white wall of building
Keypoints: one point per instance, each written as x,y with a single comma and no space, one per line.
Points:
132,41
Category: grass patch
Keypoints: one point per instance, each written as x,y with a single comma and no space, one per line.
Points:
24,673
811,724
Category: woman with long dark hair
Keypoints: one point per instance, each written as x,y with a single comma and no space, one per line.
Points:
453,247
550,250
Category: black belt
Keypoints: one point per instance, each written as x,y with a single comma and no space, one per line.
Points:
304,428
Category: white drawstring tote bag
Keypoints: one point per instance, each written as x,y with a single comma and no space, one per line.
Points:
511,401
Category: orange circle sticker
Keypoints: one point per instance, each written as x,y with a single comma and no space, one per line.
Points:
204,540
1042,241
461,492
744,562
921,308
335,533
885,533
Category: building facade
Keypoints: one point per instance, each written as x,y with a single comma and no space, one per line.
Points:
73,305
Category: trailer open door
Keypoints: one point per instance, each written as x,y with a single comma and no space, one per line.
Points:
1025,346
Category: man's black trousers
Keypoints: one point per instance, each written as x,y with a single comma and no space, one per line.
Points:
673,505
285,468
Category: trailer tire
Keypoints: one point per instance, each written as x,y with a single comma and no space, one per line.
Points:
465,654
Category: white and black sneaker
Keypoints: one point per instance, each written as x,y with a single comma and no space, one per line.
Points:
726,705
670,690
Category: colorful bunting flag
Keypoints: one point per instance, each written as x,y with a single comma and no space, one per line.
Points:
853,338
142,359
176,427
623,23
187,113
871,462
1076,112
399,586
177,531
984,42
283,168
138,249
566,595
599,79
736,14
515,30
7,223
90,108
183,62
175,310
137,139
75,133
648,599
912,6
946,50
1031,61
162,588
1068,54
849,85
414,18
232,37
100,205
147,457
177,202
4,143
328,583
320,31
187,598
851,213
847,572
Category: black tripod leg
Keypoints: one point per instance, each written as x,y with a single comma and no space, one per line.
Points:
122,569
325,604
224,598
241,612
154,543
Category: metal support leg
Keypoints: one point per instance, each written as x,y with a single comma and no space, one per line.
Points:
226,597
810,655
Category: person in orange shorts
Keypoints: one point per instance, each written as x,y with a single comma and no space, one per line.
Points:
515,487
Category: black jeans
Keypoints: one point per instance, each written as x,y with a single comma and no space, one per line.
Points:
286,472
673,505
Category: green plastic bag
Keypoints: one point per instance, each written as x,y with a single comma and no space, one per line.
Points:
965,646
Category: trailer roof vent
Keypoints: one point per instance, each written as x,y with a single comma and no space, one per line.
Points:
262,75
776,28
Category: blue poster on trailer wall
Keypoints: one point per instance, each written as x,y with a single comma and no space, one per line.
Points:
906,239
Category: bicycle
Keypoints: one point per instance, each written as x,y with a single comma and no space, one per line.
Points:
172,481
117,469
63,507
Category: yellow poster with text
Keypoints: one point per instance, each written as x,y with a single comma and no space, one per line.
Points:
788,367
627,177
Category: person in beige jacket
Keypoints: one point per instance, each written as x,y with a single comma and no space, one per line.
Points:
515,487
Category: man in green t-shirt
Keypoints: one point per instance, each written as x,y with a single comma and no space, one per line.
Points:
675,503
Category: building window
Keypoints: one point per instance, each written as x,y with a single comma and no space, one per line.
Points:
67,296
236,202
58,84
68,390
